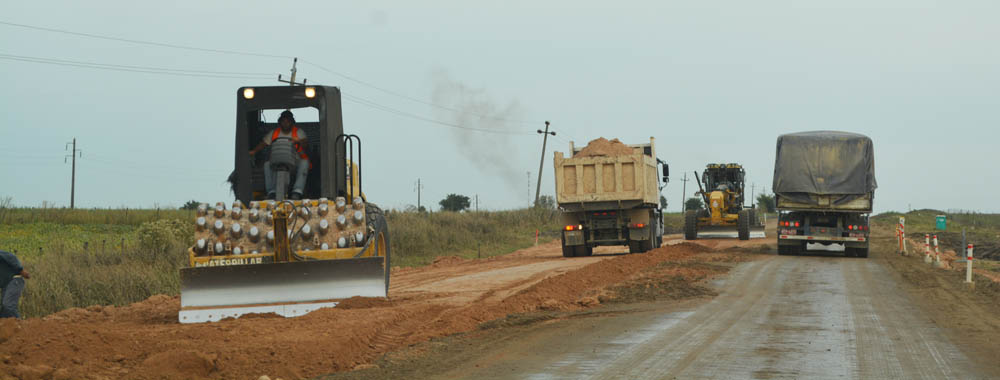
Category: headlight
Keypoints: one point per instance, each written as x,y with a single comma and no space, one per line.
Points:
248,93
310,92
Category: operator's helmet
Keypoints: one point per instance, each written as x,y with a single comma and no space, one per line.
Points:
722,187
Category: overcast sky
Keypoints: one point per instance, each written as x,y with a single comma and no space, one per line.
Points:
712,81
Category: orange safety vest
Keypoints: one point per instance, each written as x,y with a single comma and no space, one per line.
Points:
298,148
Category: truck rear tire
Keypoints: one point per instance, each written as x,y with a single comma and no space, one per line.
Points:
690,225
634,246
743,224
568,250
584,251
856,252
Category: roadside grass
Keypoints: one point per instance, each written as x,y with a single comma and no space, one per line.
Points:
982,230
77,260
673,223
418,238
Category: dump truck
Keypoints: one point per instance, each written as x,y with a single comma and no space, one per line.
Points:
725,199
824,185
610,199
287,257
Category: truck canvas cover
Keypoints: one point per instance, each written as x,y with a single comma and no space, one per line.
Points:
824,163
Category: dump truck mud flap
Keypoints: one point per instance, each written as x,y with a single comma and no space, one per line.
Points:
288,289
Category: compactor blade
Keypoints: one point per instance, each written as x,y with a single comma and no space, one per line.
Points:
289,289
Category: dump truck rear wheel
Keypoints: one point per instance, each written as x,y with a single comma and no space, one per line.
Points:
743,224
690,225
634,246
568,250
857,252
584,251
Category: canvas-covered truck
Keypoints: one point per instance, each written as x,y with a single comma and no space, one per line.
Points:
824,186
609,194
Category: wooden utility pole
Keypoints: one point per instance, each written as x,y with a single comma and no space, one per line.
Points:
538,186
684,193
419,187
72,181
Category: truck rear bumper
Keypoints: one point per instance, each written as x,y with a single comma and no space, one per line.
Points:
822,238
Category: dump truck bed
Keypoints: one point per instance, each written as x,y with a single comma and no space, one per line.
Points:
622,180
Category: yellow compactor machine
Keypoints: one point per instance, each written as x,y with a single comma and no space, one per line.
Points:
283,256
723,194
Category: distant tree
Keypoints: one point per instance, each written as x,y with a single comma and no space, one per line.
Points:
663,202
190,205
412,208
547,202
693,203
455,202
766,202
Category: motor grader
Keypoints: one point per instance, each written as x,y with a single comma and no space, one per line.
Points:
724,199
283,256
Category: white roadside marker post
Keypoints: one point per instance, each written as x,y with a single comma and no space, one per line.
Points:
927,248
902,234
968,267
937,253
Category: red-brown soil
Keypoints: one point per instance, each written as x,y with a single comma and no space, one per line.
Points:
145,341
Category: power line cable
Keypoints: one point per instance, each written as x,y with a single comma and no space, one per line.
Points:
254,54
134,69
141,42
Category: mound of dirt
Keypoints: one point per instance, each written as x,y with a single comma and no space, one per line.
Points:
604,147
144,340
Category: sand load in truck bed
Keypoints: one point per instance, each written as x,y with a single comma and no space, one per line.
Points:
605,173
604,147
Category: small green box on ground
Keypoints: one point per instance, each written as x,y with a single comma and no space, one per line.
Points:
942,222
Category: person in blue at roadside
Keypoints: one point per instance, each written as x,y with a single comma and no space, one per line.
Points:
12,276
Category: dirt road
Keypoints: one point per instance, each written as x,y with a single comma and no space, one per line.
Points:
453,295
818,316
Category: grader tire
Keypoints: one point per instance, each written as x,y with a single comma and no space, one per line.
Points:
743,224
691,225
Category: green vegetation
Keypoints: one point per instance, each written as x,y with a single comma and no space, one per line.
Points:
983,230
673,223
418,238
454,202
766,203
79,257
693,203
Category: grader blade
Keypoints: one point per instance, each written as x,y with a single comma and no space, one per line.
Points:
288,289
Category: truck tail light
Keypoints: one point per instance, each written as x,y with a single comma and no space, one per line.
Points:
637,225
578,227
796,224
